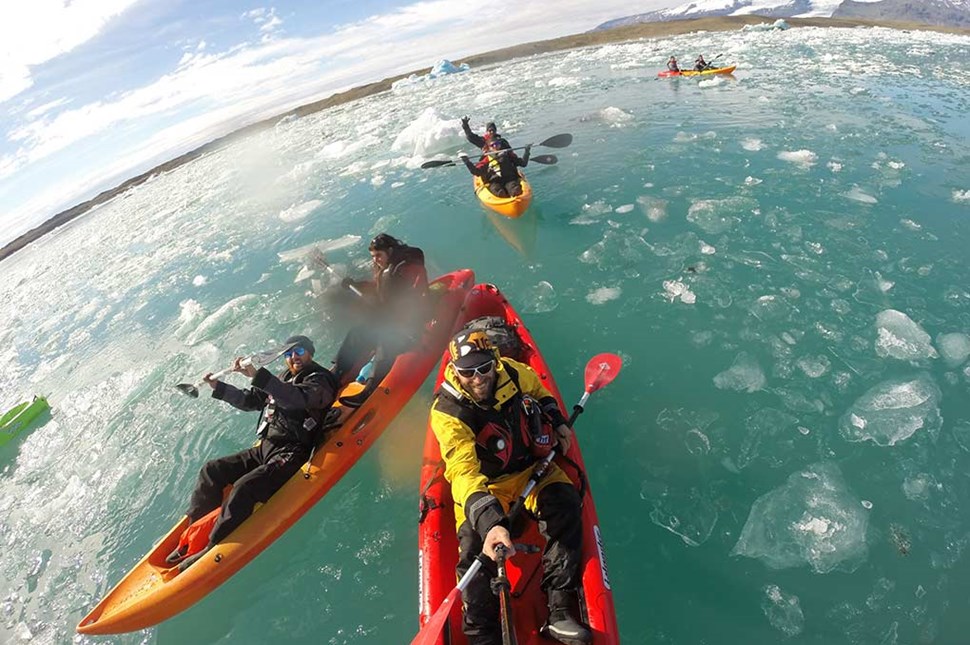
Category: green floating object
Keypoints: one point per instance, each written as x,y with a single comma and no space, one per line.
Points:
21,416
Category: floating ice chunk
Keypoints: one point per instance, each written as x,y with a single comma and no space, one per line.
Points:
752,145
751,181
690,515
190,311
917,487
900,337
812,519
299,211
655,209
625,208
428,135
834,166
882,284
770,435
805,158
199,280
707,249
614,116
893,411
744,375
856,194
716,216
954,348
314,249
961,196
814,366
783,610
603,295
674,289
540,299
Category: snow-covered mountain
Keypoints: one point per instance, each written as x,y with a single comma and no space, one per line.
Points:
954,13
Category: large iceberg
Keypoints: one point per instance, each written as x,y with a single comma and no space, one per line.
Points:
893,411
442,68
812,519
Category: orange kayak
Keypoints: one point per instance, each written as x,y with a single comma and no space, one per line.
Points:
691,72
507,206
438,542
153,591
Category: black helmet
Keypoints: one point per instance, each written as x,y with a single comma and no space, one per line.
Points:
490,127
384,242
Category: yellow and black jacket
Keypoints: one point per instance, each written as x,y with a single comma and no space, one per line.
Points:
485,443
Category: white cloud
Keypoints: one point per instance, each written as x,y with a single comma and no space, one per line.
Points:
36,31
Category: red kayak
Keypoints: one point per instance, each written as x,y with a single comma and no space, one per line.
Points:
438,542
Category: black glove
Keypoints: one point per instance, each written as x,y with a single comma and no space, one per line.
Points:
464,121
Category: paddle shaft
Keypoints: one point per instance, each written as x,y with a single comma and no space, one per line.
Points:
501,583
322,260
221,373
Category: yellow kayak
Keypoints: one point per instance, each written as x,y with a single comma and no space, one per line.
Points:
507,206
690,72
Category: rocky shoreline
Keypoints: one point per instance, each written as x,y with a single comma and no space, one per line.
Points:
587,39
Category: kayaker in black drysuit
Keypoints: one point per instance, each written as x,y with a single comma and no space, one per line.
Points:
292,406
498,166
700,64
494,420
397,297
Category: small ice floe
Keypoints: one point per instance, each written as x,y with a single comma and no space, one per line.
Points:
744,375
856,194
901,338
625,208
654,208
814,366
804,158
224,317
190,311
783,610
322,246
713,81
603,295
540,298
751,181
199,280
752,145
706,249
613,116
812,519
778,25
675,289
299,211
961,196
715,216
954,348
882,284
834,166
894,411
910,224
689,514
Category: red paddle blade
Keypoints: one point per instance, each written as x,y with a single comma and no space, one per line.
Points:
433,630
601,370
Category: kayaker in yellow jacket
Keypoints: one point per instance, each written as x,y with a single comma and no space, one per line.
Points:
485,419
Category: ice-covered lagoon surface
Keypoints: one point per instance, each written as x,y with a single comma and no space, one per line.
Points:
779,256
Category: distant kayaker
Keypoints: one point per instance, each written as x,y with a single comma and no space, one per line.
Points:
672,65
498,166
494,420
396,296
700,64
292,406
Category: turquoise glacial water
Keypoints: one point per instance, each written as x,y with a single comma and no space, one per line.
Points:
779,256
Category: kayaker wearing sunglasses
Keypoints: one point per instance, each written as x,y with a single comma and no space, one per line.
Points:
494,421
292,406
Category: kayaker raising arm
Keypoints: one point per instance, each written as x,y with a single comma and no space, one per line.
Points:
498,166
292,406
490,443
397,298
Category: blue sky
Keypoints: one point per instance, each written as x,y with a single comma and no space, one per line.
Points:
93,92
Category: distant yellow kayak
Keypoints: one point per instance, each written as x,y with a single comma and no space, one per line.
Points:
690,72
507,206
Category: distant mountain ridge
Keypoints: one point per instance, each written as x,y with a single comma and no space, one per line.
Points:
947,13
